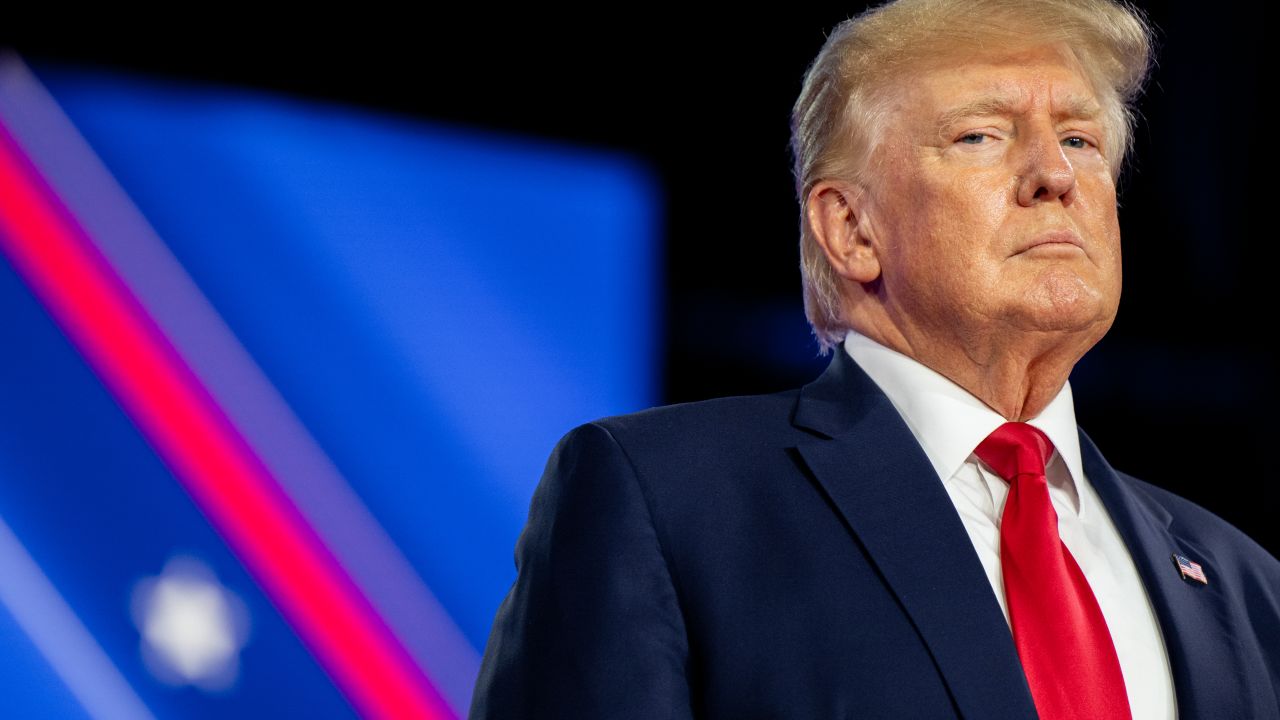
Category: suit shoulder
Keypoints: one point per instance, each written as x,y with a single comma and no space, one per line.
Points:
1215,533
722,435
722,418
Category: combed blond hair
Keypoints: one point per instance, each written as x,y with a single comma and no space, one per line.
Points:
836,119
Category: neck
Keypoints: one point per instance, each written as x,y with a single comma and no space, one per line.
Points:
1016,373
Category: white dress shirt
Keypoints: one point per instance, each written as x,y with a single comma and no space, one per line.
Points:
949,423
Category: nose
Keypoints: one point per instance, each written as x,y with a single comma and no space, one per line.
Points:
1047,174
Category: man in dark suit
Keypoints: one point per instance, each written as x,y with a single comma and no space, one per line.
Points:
922,531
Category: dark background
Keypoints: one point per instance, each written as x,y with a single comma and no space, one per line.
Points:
1180,393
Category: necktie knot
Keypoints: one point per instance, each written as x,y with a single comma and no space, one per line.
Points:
1015,449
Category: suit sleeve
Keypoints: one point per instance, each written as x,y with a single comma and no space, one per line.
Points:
591,628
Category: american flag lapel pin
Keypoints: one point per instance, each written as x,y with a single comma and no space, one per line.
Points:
1190,570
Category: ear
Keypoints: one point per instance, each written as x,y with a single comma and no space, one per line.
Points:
838,220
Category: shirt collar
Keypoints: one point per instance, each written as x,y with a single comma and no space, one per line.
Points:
947,420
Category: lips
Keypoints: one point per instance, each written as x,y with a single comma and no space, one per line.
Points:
1060,238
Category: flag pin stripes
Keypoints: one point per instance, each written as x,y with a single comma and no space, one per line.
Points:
1190,570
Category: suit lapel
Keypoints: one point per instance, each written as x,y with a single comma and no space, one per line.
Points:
879,479
1198,633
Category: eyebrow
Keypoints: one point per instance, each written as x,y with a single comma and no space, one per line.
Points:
1075,107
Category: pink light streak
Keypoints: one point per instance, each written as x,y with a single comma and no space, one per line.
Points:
204,451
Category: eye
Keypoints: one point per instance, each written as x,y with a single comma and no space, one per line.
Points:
1076,142
972,138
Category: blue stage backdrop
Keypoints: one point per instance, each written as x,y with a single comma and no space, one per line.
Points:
396,320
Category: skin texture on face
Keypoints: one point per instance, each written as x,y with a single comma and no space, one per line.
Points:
985,242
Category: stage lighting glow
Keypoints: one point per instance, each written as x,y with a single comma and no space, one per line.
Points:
192,627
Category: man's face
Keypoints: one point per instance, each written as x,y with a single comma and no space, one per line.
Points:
991,205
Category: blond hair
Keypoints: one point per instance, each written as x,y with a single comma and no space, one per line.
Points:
836,119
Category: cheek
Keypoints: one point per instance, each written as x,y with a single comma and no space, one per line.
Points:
941,228
1096,189
977,199
1113,242
1099,207
993,200
964,222
944,260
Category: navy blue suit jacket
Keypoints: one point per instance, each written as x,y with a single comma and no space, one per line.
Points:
795,556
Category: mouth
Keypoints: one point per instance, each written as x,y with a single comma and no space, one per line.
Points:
1056,240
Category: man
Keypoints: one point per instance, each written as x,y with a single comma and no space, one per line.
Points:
922,531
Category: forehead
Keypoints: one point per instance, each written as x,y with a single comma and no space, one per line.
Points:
1046,78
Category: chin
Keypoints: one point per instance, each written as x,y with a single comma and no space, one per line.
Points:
1066,302
1082,322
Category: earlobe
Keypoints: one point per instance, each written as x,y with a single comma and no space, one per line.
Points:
839,220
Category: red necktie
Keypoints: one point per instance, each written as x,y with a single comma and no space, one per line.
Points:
1061,636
